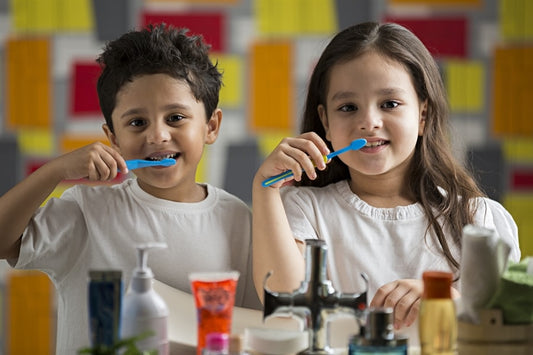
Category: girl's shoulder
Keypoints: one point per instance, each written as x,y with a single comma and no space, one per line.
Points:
492,214
489,211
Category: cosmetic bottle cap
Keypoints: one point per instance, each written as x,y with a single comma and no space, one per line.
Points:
437,284
379,324
217,342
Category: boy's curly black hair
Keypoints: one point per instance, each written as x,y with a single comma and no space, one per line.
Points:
159,49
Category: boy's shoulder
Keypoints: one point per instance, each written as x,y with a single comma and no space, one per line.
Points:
96,192
101,187
226,198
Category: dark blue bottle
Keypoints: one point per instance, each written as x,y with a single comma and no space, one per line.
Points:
377,337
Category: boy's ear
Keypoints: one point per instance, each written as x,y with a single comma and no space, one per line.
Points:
324,119
213,126
423,115
111,137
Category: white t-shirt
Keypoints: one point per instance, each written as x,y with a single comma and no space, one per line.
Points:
386,244
98,228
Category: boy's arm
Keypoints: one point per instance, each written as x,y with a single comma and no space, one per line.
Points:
17,206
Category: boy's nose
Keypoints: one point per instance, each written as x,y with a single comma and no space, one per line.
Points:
158,133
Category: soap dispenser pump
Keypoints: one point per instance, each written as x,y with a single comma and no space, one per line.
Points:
144,313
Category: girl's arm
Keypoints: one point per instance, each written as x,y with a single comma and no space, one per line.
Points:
274,247
17,206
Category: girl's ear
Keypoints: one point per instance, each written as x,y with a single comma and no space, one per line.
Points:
423,115
324,119
111,137
213,126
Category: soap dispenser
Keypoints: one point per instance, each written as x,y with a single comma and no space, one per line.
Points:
144,313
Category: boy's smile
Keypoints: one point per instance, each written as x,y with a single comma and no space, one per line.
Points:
157,117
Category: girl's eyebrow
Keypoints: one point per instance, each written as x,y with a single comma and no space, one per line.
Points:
343,95
391,91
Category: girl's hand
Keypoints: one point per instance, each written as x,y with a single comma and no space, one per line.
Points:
96,162
404,297
296,154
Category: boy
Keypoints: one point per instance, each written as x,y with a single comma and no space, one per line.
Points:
158,92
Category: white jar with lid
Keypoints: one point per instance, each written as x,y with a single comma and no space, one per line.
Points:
263,341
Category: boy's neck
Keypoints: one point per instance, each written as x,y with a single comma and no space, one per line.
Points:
189,194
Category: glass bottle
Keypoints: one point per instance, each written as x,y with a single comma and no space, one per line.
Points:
437,325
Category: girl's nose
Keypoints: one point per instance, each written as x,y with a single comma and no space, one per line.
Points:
370,120
158,133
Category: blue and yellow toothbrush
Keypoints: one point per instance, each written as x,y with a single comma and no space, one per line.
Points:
354,145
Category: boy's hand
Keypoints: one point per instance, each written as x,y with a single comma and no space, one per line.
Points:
296,154
96,162
404,297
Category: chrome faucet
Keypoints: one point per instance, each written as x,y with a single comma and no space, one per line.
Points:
315,300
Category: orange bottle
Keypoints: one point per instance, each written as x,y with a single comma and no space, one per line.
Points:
437,324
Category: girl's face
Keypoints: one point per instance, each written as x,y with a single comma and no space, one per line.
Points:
155,117
373,97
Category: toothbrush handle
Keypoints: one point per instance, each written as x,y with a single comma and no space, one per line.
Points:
276,178
286,174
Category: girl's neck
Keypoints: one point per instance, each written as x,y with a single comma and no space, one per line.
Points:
382,191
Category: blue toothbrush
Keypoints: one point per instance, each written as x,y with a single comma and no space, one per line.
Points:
142,163
355,145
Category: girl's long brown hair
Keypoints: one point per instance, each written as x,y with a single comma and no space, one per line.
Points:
439,183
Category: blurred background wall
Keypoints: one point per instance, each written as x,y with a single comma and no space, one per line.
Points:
267,49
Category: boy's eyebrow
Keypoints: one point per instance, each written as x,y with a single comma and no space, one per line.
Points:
138,111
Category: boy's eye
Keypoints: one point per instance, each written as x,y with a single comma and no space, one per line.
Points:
137,122
390,104
175,118
347,108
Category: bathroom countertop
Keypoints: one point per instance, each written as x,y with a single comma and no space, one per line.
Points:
182,316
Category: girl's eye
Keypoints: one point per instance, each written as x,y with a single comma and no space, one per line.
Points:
137,122
175,118
347,108
390,104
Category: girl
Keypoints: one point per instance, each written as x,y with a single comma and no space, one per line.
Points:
392,209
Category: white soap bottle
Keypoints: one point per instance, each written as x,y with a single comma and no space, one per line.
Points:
143,310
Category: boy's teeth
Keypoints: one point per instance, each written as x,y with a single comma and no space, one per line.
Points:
162,157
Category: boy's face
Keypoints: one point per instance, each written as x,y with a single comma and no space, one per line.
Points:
155,117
